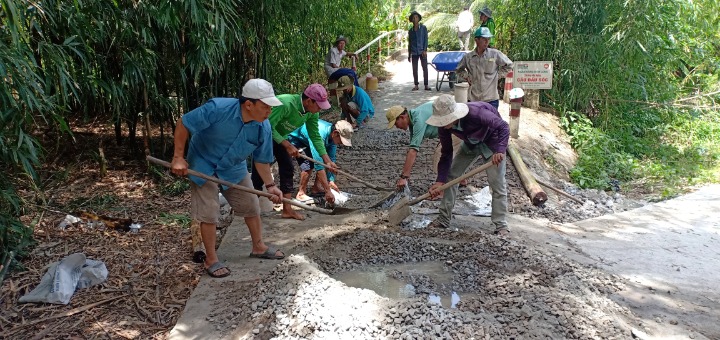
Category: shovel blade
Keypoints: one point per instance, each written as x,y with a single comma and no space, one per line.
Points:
399,211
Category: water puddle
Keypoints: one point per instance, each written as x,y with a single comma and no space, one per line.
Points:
379,280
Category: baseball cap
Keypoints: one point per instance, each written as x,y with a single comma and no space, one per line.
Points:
483,32
392,113
446,111
346,131
260,89
344,82
319,94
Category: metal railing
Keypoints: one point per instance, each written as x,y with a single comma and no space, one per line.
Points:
394,39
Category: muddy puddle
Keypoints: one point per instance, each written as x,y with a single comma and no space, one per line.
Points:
387,281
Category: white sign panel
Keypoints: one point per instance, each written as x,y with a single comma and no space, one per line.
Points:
533,75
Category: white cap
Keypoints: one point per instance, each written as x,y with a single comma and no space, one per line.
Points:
446,111
346,131
260,89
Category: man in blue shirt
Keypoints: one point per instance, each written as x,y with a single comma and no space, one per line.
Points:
417,48
222,134
332,135
355,103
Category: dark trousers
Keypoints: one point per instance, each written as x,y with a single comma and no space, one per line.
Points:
423,61
495,103
285,167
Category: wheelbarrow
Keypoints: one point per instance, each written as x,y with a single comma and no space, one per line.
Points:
445,63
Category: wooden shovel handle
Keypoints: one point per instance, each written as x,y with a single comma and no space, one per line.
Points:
154,160
453,182
368,184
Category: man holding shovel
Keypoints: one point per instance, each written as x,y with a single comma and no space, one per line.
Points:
223,133
332,135
483,133
415,121
297,110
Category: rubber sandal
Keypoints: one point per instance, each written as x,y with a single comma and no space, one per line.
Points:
304,198
269,254
215,267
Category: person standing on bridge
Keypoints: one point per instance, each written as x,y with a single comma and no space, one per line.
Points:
482,68
484,134
417,49
222,133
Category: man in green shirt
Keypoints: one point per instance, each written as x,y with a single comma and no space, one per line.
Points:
487,21
297,110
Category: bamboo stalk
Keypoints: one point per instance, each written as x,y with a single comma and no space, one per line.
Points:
536,193
563,193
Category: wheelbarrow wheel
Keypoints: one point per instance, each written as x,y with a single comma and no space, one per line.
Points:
452,78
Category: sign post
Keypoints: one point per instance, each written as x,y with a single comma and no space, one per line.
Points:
528,77
533,75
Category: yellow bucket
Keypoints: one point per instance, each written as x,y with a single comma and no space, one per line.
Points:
371,84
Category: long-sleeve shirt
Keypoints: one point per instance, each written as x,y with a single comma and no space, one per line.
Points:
484,71
490,24
364,104
301,138
220,141
482,125
291,115
418,40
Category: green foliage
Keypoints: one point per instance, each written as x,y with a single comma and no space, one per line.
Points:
629,68
101,202
181,220
175,188
117,61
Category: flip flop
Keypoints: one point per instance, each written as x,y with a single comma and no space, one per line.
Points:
215,267
304,199
269,254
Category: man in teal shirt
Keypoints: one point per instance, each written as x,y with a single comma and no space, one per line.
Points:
355,103
332,135
414,120
297,110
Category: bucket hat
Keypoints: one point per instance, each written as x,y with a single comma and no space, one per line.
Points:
446,111
414,13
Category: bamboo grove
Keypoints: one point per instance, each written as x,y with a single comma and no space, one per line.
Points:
130,62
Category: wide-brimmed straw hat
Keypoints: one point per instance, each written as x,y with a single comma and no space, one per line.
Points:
446,111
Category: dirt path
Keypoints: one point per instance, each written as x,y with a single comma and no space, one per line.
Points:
599,278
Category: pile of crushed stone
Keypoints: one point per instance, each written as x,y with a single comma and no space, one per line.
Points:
514,291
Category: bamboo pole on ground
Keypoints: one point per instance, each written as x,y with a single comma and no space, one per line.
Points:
533,189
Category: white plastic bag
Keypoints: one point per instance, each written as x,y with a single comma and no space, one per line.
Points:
62,278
